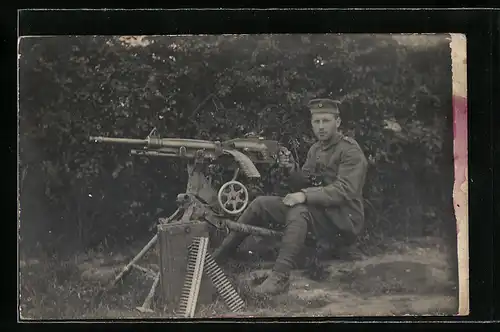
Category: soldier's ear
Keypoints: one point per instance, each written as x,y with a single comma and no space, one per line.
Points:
339,121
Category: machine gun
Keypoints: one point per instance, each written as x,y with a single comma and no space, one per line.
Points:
183,237
244,152
257,149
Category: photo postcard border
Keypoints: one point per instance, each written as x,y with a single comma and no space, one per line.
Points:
461,187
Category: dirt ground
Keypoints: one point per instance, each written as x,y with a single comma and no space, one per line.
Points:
409,278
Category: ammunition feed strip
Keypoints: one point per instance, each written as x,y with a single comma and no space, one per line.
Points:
194,274
223,286
200,260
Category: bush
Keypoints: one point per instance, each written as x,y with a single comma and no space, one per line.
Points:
396,103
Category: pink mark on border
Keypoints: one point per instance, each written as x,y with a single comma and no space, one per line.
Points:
460,154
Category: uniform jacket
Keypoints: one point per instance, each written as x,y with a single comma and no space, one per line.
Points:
342,166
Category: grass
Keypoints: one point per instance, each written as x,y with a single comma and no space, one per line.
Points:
52,288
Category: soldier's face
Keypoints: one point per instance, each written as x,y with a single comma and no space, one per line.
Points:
324,125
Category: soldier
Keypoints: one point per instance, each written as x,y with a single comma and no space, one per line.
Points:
332,210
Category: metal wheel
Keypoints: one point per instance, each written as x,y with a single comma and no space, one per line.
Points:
233,197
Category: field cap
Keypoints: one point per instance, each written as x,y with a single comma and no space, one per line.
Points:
324,105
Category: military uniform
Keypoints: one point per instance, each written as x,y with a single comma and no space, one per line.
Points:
342,166
332,211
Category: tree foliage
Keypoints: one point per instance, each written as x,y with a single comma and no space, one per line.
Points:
396,102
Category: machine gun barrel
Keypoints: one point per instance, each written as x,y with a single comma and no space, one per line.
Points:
156,142
167,144
133,141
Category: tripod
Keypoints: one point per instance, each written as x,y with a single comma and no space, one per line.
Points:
192,235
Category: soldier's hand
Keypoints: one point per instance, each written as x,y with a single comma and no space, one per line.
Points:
294,199
285,158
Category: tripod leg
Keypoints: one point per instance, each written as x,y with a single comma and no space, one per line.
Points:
129,266
146,306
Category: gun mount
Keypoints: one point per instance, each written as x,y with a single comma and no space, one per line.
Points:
203,212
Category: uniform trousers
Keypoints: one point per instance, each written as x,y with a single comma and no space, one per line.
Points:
297,222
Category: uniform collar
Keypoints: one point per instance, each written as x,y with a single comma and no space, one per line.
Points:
331,142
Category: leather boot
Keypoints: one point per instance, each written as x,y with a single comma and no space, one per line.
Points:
276,283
